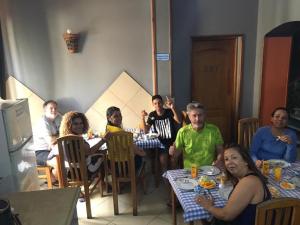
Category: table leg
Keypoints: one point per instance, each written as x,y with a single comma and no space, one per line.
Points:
174,207
157,167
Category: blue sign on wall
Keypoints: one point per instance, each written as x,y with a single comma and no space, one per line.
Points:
162,56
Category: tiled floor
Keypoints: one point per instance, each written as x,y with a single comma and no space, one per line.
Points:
152,208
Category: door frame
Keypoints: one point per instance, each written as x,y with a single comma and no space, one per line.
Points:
238,72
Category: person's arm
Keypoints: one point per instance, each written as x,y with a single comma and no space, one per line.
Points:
178,146
92,150
219,158
255,145
291,148
242,196
170,104
144,126
175,152
218,140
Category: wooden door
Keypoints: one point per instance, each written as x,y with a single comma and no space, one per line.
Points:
216,75
275,75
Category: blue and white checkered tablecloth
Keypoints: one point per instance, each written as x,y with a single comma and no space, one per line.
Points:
144,142
149,144
193,211
287,174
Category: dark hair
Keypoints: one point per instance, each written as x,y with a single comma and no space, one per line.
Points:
279,108
49,102
156,97
109,112
247,158
67,121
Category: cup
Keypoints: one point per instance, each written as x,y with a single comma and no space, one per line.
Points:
277,173
266,168
194,171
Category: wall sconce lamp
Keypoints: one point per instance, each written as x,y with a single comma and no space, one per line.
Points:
71,41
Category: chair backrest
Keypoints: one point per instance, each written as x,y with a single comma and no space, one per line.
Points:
246,129
120,154
72,164
278,211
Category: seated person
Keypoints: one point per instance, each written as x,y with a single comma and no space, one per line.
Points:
76,123
200,142
275,141
46,132
164,123
114,124
249,189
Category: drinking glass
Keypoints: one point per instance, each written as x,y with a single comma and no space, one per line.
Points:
277,173
266,168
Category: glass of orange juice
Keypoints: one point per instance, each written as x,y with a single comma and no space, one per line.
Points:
277,173
266,168
194,171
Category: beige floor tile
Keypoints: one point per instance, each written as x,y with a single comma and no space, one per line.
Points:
152,208
130,220
94,221
158,221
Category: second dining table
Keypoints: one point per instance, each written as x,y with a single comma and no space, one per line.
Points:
193,211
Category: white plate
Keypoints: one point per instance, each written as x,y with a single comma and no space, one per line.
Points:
209,170
277,162
186,183
296,181
152,135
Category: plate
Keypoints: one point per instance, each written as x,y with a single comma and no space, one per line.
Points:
278,163
209,170
210,184
186,183
274,191
152,135
296,181
287,185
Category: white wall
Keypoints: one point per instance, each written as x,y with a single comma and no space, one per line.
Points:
271,13
213,17
115,36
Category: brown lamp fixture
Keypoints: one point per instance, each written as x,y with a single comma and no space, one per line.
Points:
71,41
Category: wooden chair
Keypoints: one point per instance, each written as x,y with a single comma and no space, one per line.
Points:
44,172
278,211
246,129
72,168
122,166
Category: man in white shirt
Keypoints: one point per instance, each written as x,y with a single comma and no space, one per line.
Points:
46,132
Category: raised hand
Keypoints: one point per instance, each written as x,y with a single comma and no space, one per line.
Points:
169,103
144,114
285,138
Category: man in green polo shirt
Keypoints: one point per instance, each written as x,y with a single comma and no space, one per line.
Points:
200,142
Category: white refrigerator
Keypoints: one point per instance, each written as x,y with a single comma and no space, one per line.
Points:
17,158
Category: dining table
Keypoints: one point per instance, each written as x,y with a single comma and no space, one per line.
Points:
193,211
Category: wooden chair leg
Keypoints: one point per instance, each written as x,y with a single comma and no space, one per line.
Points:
157,169
87,202
134,197
174,207
106,174
114,189
48,175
